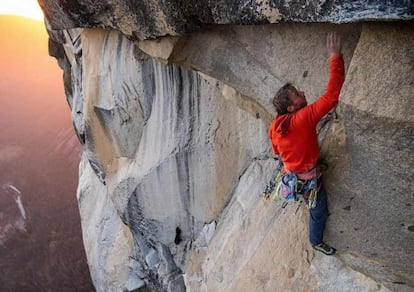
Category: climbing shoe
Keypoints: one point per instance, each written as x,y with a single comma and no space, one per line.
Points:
324,248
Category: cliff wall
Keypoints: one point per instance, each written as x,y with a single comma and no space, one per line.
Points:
174,132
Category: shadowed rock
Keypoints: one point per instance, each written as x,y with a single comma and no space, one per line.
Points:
151,19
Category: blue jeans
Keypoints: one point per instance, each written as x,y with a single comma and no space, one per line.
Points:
318,217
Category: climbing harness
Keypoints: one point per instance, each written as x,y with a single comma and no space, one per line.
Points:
293,186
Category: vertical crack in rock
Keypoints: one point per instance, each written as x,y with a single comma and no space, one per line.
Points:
148,81
173,99
161,268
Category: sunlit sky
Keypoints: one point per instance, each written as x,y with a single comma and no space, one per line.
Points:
27,8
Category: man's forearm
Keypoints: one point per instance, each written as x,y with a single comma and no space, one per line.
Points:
336,76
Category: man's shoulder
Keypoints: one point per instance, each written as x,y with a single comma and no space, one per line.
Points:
302,115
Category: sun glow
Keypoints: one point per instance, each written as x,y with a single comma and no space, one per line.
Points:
26,8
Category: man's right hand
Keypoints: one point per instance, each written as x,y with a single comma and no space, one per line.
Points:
333,43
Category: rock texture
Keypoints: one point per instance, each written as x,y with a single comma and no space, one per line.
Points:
374,203
176,151
151,19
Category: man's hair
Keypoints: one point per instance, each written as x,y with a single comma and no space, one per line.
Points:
281,101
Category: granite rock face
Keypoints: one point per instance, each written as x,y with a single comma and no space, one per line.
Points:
371,148
151,19
174,132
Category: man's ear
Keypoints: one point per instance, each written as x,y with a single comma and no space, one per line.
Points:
291,108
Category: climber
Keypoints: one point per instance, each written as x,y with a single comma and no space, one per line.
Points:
293,136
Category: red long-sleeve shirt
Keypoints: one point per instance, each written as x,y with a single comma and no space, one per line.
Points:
298,146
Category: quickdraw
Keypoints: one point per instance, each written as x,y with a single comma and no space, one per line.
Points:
270,187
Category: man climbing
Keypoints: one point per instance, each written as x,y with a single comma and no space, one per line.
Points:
294,138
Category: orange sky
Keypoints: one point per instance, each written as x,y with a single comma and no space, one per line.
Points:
26,8
25,64
39,155
30,79
24,56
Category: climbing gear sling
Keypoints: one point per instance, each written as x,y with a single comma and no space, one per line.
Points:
293,186
277,174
